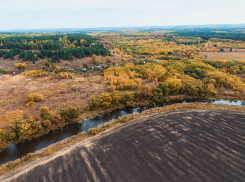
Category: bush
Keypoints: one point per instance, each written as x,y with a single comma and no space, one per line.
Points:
108,60
92,131
20,65
85,65
26,157
31,117
97,62
44,112
123,120
62,91
11,165
31,103
35,97
71,113
50,151
32,72
63,75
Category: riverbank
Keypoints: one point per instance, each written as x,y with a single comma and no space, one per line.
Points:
10,166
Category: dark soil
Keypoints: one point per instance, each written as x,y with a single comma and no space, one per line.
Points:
196,145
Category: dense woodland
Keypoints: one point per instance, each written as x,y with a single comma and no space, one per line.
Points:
206,35
55,47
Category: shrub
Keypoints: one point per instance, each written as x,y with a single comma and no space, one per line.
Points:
56,119
26,157
112,88
71,113
30,117
50,151
108,59
64,75
44,112
32,72
20,65
62,91
92,131
11,165
231,93
31,103
97,62
85,65
35,97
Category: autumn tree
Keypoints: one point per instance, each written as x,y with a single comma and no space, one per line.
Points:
23,129
128,98
94,58
108,59
163,77
4,137
174,86
93,102
116,97
105,100
44,112
145,91
85,65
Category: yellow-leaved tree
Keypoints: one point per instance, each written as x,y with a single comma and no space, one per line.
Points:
93,102
174,86
105,100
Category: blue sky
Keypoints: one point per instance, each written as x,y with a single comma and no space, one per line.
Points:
42,14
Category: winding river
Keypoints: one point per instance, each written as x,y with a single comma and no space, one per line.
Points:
30,146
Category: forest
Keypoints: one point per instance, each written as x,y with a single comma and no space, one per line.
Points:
55,47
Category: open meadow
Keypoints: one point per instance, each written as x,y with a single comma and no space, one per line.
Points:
224,55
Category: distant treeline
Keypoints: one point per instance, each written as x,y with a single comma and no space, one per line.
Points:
206,35
65,53
189,42
45,42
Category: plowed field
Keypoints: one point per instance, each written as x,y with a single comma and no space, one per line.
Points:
194,145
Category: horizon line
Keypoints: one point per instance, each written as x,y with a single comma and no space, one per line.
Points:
164,26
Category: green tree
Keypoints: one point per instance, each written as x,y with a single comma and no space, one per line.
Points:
85,65
70,114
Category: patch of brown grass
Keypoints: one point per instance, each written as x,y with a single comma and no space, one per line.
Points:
225,55
5,118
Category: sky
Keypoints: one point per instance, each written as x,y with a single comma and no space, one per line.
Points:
46,14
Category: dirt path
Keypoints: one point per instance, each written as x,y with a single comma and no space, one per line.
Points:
194,145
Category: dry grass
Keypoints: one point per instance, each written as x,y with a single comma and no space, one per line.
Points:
5,118
225,55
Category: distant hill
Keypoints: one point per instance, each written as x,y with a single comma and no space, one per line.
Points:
218,27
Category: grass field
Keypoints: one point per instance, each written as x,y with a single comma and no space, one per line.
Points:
225,55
